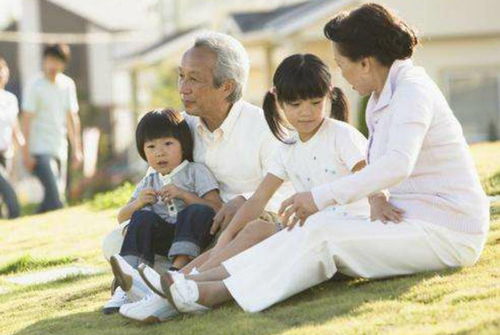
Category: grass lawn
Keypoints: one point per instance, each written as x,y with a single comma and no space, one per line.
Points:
460,301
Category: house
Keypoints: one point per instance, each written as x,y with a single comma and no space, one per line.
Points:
97,32
460,47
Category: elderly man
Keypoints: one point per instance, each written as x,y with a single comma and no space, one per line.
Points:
231,137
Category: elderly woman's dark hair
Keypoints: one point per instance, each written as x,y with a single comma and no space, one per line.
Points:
371,30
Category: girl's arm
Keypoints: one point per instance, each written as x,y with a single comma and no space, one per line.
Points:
146,197
252,208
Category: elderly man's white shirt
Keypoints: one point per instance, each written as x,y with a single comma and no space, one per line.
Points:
239,152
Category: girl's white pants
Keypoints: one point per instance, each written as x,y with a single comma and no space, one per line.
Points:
291,261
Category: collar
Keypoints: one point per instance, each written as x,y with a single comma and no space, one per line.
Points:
167,178
386,95
316,136
59,80
227,125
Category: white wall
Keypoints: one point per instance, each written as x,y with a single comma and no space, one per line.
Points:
100,70
30,54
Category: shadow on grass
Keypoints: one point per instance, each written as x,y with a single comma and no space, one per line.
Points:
333,299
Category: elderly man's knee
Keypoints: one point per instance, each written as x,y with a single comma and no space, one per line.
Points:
258,230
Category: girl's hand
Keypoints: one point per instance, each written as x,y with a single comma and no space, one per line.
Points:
297,209
169,192
147,197
381,209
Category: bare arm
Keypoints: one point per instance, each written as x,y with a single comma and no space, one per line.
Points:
74,135
254,206
26,120
18,135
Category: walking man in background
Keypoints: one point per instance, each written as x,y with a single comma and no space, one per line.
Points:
50,116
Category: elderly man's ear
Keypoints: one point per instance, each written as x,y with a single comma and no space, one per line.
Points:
228,86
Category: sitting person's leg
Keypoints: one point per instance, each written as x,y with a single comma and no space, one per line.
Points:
192,234
292,261
253,233
197,262
147,234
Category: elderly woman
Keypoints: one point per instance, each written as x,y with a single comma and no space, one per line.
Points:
417,157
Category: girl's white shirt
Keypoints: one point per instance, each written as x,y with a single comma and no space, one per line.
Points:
329,155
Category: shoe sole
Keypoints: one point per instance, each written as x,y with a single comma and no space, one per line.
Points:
110,310
123,279
166,281
149,320
141,269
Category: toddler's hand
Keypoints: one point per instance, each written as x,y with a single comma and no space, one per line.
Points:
147,197
169,192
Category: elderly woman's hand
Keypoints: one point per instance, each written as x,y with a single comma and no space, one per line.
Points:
297,209
381,209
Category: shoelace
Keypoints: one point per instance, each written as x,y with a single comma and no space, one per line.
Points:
148,298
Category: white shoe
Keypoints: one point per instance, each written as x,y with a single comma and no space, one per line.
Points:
153,278
128,278
151,309
184,295
118,299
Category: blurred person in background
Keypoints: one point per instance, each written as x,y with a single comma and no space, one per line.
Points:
50,116
9,131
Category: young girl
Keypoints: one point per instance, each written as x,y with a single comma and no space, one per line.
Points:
320,150
172,208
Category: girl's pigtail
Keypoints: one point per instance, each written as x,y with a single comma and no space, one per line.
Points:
340,106
273,117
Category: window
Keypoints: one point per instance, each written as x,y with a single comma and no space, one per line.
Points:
474,97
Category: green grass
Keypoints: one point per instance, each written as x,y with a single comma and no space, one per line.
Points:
460,301
28,263
112,199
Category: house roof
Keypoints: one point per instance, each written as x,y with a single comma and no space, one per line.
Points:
162,41
286,19
113,15
161,48
251,21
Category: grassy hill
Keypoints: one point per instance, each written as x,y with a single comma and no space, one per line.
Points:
461,301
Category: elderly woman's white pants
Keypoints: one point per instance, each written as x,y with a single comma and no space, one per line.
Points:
292,261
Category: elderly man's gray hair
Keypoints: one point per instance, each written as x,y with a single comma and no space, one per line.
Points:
232,61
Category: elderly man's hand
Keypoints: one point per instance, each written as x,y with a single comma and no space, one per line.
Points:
297,209
226,213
